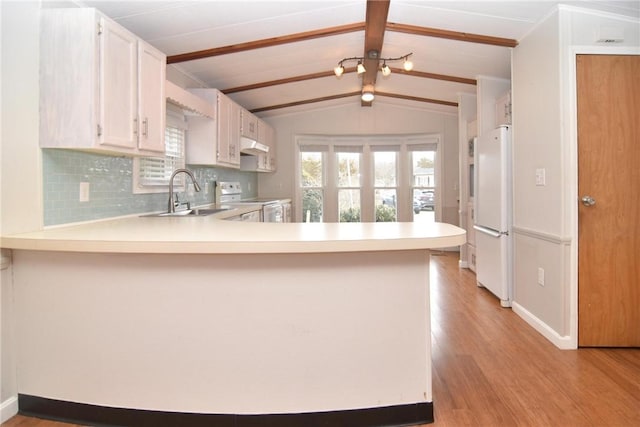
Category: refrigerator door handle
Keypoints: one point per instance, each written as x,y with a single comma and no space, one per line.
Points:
491,232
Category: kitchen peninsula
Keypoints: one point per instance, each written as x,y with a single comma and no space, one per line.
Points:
199,321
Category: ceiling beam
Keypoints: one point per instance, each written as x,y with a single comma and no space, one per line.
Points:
347,70
286,80
451,35
376,22
306,101
417,98
444,77
273,41
348,94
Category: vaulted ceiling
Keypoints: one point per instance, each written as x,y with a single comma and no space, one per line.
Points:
277,57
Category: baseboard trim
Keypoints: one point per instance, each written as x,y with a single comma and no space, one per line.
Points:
8,408
562,342
80,413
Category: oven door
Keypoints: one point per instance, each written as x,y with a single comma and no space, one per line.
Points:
272,212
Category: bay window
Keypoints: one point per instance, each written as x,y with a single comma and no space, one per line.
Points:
366,178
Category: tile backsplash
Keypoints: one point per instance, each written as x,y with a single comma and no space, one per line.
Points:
110,187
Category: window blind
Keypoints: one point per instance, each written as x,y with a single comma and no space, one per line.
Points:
156,171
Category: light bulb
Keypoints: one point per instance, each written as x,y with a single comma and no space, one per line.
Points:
408,65
361,68
386,70
367,96
339,70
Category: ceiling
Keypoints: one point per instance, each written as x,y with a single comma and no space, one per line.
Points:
182,27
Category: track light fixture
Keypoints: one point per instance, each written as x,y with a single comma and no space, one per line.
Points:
386,70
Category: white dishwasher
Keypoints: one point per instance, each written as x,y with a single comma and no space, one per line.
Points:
253,216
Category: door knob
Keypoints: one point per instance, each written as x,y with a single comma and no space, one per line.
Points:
588,201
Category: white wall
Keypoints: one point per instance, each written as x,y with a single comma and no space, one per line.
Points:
20,172
544,118
352,119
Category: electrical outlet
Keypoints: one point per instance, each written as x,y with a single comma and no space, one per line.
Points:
540,276
84,191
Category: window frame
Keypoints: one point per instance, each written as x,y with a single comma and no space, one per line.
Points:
175,122
369,144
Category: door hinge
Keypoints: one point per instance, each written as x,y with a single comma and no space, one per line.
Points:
99,130
99,28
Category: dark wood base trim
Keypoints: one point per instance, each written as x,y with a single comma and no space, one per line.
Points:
81,413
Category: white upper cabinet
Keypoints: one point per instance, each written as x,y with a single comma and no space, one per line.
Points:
249,127
151,101
266,162
228,131
215,142
117,82
101,88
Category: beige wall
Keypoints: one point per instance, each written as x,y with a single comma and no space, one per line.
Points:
352,119
20,171
544,123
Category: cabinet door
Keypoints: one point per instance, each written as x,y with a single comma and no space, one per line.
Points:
118,86
273,150
234,133
224,113
151,98
266,135
249,125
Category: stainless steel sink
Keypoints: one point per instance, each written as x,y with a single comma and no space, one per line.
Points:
190,212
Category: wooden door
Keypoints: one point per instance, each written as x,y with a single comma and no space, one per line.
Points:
608,92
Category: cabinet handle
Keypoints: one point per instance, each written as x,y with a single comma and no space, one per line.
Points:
145,127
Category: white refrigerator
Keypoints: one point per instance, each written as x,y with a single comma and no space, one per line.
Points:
493,213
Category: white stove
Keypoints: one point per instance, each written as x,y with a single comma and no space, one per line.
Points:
273,209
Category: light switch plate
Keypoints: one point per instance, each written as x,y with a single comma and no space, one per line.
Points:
541,178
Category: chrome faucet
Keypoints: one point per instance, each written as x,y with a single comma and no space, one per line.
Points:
172,207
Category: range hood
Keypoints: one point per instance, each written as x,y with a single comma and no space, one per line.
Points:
249,146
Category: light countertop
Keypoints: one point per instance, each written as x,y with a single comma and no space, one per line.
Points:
213,235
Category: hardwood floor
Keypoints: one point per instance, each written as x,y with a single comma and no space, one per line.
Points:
492,369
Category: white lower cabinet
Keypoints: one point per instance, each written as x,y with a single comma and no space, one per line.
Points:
101,88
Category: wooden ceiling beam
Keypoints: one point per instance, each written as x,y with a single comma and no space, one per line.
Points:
376,22
306,101
417,98
451,35
444,77
348,94
347,70
286,80
273,41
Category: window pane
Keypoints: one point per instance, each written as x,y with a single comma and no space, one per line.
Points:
348,169
385,169
349,205
424,186
424,168
311,169
312,205
385,205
